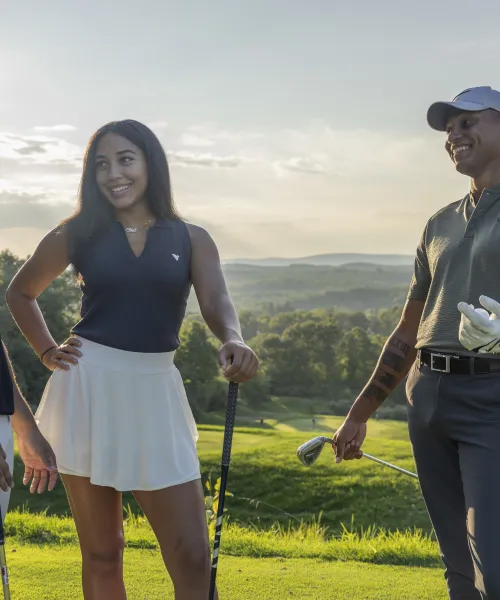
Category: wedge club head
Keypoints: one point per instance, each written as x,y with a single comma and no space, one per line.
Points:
309,451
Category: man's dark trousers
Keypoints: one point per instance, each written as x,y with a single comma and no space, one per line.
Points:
454,426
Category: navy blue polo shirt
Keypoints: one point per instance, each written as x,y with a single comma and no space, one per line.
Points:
6,385
135,303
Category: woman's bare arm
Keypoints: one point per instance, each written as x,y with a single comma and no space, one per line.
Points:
49,260
217,307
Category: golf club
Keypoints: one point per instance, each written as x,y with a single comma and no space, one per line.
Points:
309,452
3,562
226,457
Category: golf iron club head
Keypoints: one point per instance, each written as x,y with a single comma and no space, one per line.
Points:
309,451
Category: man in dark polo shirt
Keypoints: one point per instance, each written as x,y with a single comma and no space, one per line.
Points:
453,391
35,452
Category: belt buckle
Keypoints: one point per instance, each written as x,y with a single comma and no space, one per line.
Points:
447,359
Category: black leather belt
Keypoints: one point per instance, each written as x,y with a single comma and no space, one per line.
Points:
460,365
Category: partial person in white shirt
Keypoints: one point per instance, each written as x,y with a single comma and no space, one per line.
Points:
40,470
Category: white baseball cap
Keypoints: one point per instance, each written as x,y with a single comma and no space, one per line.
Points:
472,100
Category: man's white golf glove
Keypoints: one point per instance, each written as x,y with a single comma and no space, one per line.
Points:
479,329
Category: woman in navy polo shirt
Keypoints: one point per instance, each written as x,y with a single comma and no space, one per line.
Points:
115,409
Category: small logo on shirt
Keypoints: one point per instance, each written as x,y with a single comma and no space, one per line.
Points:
176,256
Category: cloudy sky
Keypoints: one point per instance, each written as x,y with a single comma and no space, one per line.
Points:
293,127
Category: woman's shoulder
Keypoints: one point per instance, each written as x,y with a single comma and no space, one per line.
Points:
202,243
56,240
196,232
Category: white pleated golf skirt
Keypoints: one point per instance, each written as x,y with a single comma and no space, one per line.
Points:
122,419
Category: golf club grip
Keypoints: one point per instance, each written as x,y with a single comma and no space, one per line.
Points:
226,458
218,530
229,427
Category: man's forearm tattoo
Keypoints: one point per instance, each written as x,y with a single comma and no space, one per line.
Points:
393,361
392,366
387,380
373,392
400,345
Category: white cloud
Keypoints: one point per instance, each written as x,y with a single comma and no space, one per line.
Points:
157,125
54,128
22,208
190,159
192,139
8,188
317,149
300,164
211,134
346,153
39,150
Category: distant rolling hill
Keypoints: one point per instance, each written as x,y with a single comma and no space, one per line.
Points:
333,260
357,285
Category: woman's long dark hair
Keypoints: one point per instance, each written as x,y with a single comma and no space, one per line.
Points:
94,212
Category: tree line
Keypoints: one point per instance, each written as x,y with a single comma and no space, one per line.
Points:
324,355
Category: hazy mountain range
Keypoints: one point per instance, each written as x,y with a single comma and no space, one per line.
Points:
334,260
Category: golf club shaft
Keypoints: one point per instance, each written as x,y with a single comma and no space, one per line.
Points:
391,466
382,462
226,458
3,562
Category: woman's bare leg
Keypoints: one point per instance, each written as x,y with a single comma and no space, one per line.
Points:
98,516
177,516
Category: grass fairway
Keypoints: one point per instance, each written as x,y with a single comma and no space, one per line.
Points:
47,573
264,466
266,553
265,471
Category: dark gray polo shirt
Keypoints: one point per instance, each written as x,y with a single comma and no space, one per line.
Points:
457,260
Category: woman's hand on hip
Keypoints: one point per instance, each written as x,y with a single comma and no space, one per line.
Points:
63,356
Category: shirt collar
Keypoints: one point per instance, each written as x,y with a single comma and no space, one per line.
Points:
467,199
162,223
495,189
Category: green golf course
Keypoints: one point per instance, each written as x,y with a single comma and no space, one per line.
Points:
354,530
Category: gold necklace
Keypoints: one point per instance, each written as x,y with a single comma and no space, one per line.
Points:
136,229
